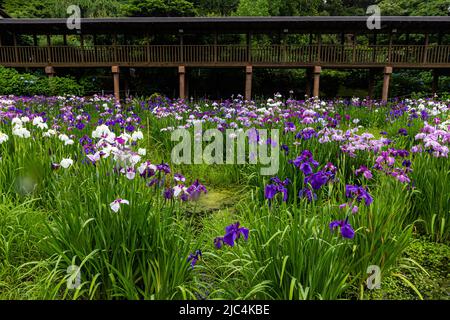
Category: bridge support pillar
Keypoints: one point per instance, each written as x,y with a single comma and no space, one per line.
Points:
50,71
316,71
182,81
386,79
248,82
115,71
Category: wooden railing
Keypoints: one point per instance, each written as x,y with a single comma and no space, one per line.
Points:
161,55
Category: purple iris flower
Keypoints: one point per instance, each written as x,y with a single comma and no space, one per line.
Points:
195,189
289,126
285,148
85,140
424,115
406,163
233,233
306,134
317,180
278,186
218,242
305,162
168,193
346,229
179,177
194,257
402,132
306,168
359,193
80,125
364,171
55,166
164,167
152,182
307,193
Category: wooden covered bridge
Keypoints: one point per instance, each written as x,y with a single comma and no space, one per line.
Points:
312,43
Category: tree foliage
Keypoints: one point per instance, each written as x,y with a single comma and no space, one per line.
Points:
58,8
160,8
415,7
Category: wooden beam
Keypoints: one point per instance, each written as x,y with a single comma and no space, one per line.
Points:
386,80
248,82
116,72
50,71
316,73
182,81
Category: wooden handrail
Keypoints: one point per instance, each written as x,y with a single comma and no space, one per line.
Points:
225,54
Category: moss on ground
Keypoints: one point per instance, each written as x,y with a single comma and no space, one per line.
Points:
433,282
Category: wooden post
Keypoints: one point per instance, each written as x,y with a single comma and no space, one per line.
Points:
248,82
35,40
50,71
115,71
316,71
65,39
386,79
354,48
182,81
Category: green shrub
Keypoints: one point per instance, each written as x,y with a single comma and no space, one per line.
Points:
26,84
